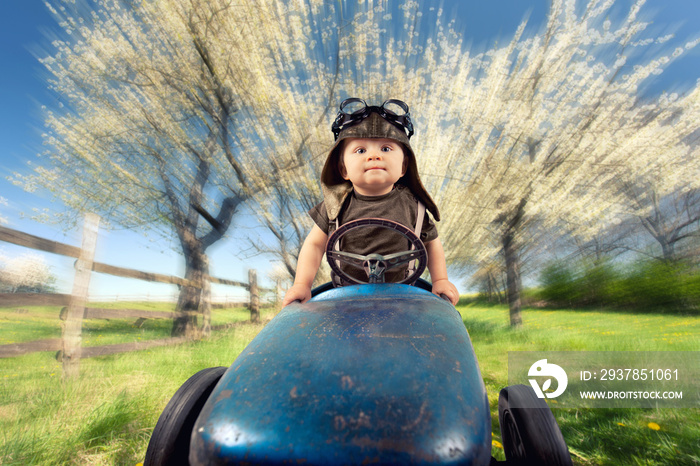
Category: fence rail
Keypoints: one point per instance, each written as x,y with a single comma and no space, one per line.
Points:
34,299
74,305
100,313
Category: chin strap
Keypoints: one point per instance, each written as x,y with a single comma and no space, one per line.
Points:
337,281
420,213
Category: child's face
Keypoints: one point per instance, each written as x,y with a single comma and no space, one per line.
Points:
372,165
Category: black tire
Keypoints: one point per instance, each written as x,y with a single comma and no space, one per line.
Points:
170,442
530,434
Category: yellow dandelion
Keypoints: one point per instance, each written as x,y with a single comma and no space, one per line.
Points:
654,426
497,444
621,424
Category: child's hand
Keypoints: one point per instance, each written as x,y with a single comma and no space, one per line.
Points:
444,286
297,292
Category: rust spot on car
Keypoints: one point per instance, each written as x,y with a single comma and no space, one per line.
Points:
411,425
360,421
293,392
346,382
224,395
339,423
397,445
363,420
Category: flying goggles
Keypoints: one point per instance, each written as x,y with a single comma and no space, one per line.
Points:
353,111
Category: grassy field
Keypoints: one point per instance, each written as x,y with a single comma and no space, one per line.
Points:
107,415
594,436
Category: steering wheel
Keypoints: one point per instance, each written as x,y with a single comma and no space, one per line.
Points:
375,264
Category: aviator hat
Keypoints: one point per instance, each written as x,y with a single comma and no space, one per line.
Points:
336,189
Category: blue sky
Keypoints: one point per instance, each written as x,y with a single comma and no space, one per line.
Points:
23,25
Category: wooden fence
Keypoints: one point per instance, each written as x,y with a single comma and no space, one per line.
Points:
68,347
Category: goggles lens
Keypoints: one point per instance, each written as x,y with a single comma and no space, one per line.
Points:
396,107
352,106
354,110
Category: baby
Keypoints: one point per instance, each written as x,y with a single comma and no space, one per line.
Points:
371,171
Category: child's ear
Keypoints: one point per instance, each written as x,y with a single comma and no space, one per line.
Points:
341,169
405,165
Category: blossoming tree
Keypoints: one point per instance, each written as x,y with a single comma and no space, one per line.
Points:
171,114
176,113
27,273
524,142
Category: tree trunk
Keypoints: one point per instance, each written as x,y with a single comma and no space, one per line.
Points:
195,299
494,288
513,279
667,248
513,224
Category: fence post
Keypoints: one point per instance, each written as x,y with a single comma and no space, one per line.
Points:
254,296
205,301
278,291
72,329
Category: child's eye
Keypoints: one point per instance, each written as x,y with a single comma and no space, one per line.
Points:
387,149
360,150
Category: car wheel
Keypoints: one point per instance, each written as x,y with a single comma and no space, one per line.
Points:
530,434
170,442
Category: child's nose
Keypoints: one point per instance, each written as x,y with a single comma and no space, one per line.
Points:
372,155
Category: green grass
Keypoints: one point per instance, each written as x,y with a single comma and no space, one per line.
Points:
28,324
41,322
107,415
594,436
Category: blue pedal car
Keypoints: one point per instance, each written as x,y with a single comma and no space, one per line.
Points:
375,373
